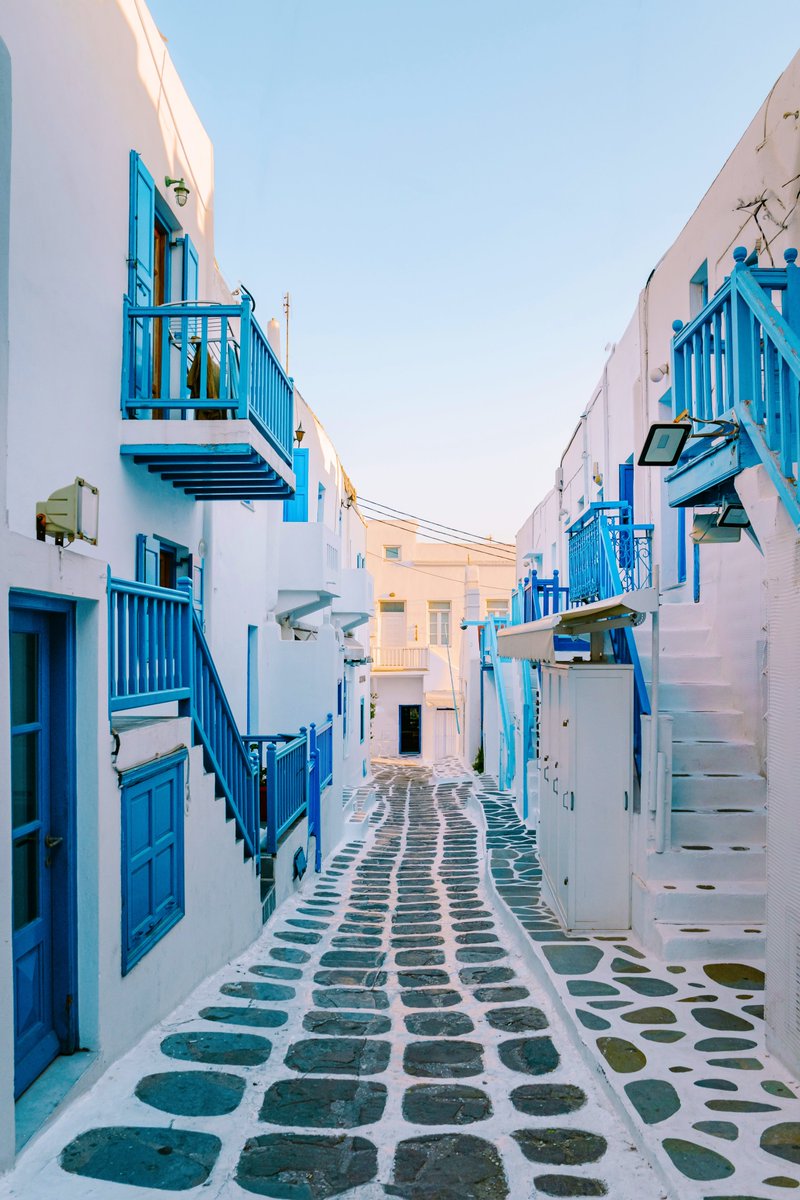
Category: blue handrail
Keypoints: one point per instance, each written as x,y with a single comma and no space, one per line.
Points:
325,746
740,358
287,786
157,653
213,359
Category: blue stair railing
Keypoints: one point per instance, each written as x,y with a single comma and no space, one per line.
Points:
325,747
158,653
491,657
740,359
608,556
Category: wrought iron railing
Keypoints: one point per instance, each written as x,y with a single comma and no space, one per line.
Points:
213,360
590,573
740,358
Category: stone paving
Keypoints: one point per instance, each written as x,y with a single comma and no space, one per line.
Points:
682,1045
384,1037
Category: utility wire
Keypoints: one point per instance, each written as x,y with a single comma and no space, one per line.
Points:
435,524
410,567
479,549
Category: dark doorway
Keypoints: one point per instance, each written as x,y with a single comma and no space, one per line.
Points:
410,728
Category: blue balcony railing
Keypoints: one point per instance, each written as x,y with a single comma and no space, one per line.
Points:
325,747
739,359
211,360
294,769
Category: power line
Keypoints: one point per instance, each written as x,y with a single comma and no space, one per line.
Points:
477,537
508,559
409,567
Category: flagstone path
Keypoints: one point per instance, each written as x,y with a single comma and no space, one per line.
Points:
384,1037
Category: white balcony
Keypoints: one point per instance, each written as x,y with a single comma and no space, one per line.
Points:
309,575
354,605
401,658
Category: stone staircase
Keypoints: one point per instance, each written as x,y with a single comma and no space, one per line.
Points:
705,895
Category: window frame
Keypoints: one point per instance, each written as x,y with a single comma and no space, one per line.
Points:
391,557
442,610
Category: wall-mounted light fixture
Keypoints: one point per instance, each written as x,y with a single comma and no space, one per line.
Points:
658,373
71,512
181,190
733,516
299,433
665,439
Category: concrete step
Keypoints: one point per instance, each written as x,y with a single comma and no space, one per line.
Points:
694,696
684,616
716,865
710,942
723,903
714,757
742,828
722,725
695,790
689,667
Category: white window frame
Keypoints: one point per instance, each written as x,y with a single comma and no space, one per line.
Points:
439,623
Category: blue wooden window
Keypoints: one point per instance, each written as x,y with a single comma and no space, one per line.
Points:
296,507
698,290
391,552
362,720
339,691
152,855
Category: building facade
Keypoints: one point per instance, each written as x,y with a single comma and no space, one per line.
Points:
172,679
713,345
430,599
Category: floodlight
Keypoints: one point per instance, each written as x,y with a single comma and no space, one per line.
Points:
664,443
707,529
71,512
733,516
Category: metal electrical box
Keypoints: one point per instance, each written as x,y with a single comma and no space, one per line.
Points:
586,792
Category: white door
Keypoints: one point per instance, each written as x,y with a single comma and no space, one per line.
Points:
445,734
393,629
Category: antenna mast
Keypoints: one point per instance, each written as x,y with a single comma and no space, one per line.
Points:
287,304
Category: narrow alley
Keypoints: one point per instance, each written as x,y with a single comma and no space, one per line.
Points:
383,1037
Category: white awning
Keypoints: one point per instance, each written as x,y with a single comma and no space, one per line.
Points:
443,699
354,651
536,640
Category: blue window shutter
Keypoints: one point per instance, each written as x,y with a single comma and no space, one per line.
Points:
198,587
152,855
141,255
362,720
147,556
191,270
339,698
296,508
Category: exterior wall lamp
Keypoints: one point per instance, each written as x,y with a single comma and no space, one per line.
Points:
665,441
181,190
299,433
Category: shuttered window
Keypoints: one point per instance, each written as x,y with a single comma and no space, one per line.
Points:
152,855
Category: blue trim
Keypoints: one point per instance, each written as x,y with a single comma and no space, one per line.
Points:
53,619
681,564
696,572
400,749
362,719
146,915
295,509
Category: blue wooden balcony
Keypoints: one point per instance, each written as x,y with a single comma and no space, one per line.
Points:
738,362
205,403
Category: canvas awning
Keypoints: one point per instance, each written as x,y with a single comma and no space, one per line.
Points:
443,699
536,640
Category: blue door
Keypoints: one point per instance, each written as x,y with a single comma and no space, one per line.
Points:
626,549
42,894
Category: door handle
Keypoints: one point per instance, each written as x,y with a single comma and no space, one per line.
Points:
626,802
546,776
51,842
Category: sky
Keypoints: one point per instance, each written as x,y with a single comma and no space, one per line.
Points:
464,200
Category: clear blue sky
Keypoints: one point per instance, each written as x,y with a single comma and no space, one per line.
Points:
464,200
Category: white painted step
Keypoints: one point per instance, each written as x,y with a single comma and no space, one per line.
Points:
694,696
719,829
686,668
710,942
684,616
720,725
717,791
721,903
714,757
706,866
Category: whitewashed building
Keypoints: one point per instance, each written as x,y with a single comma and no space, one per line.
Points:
172,681
431,596
708,838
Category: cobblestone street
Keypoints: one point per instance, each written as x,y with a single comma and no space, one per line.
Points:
381,1038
